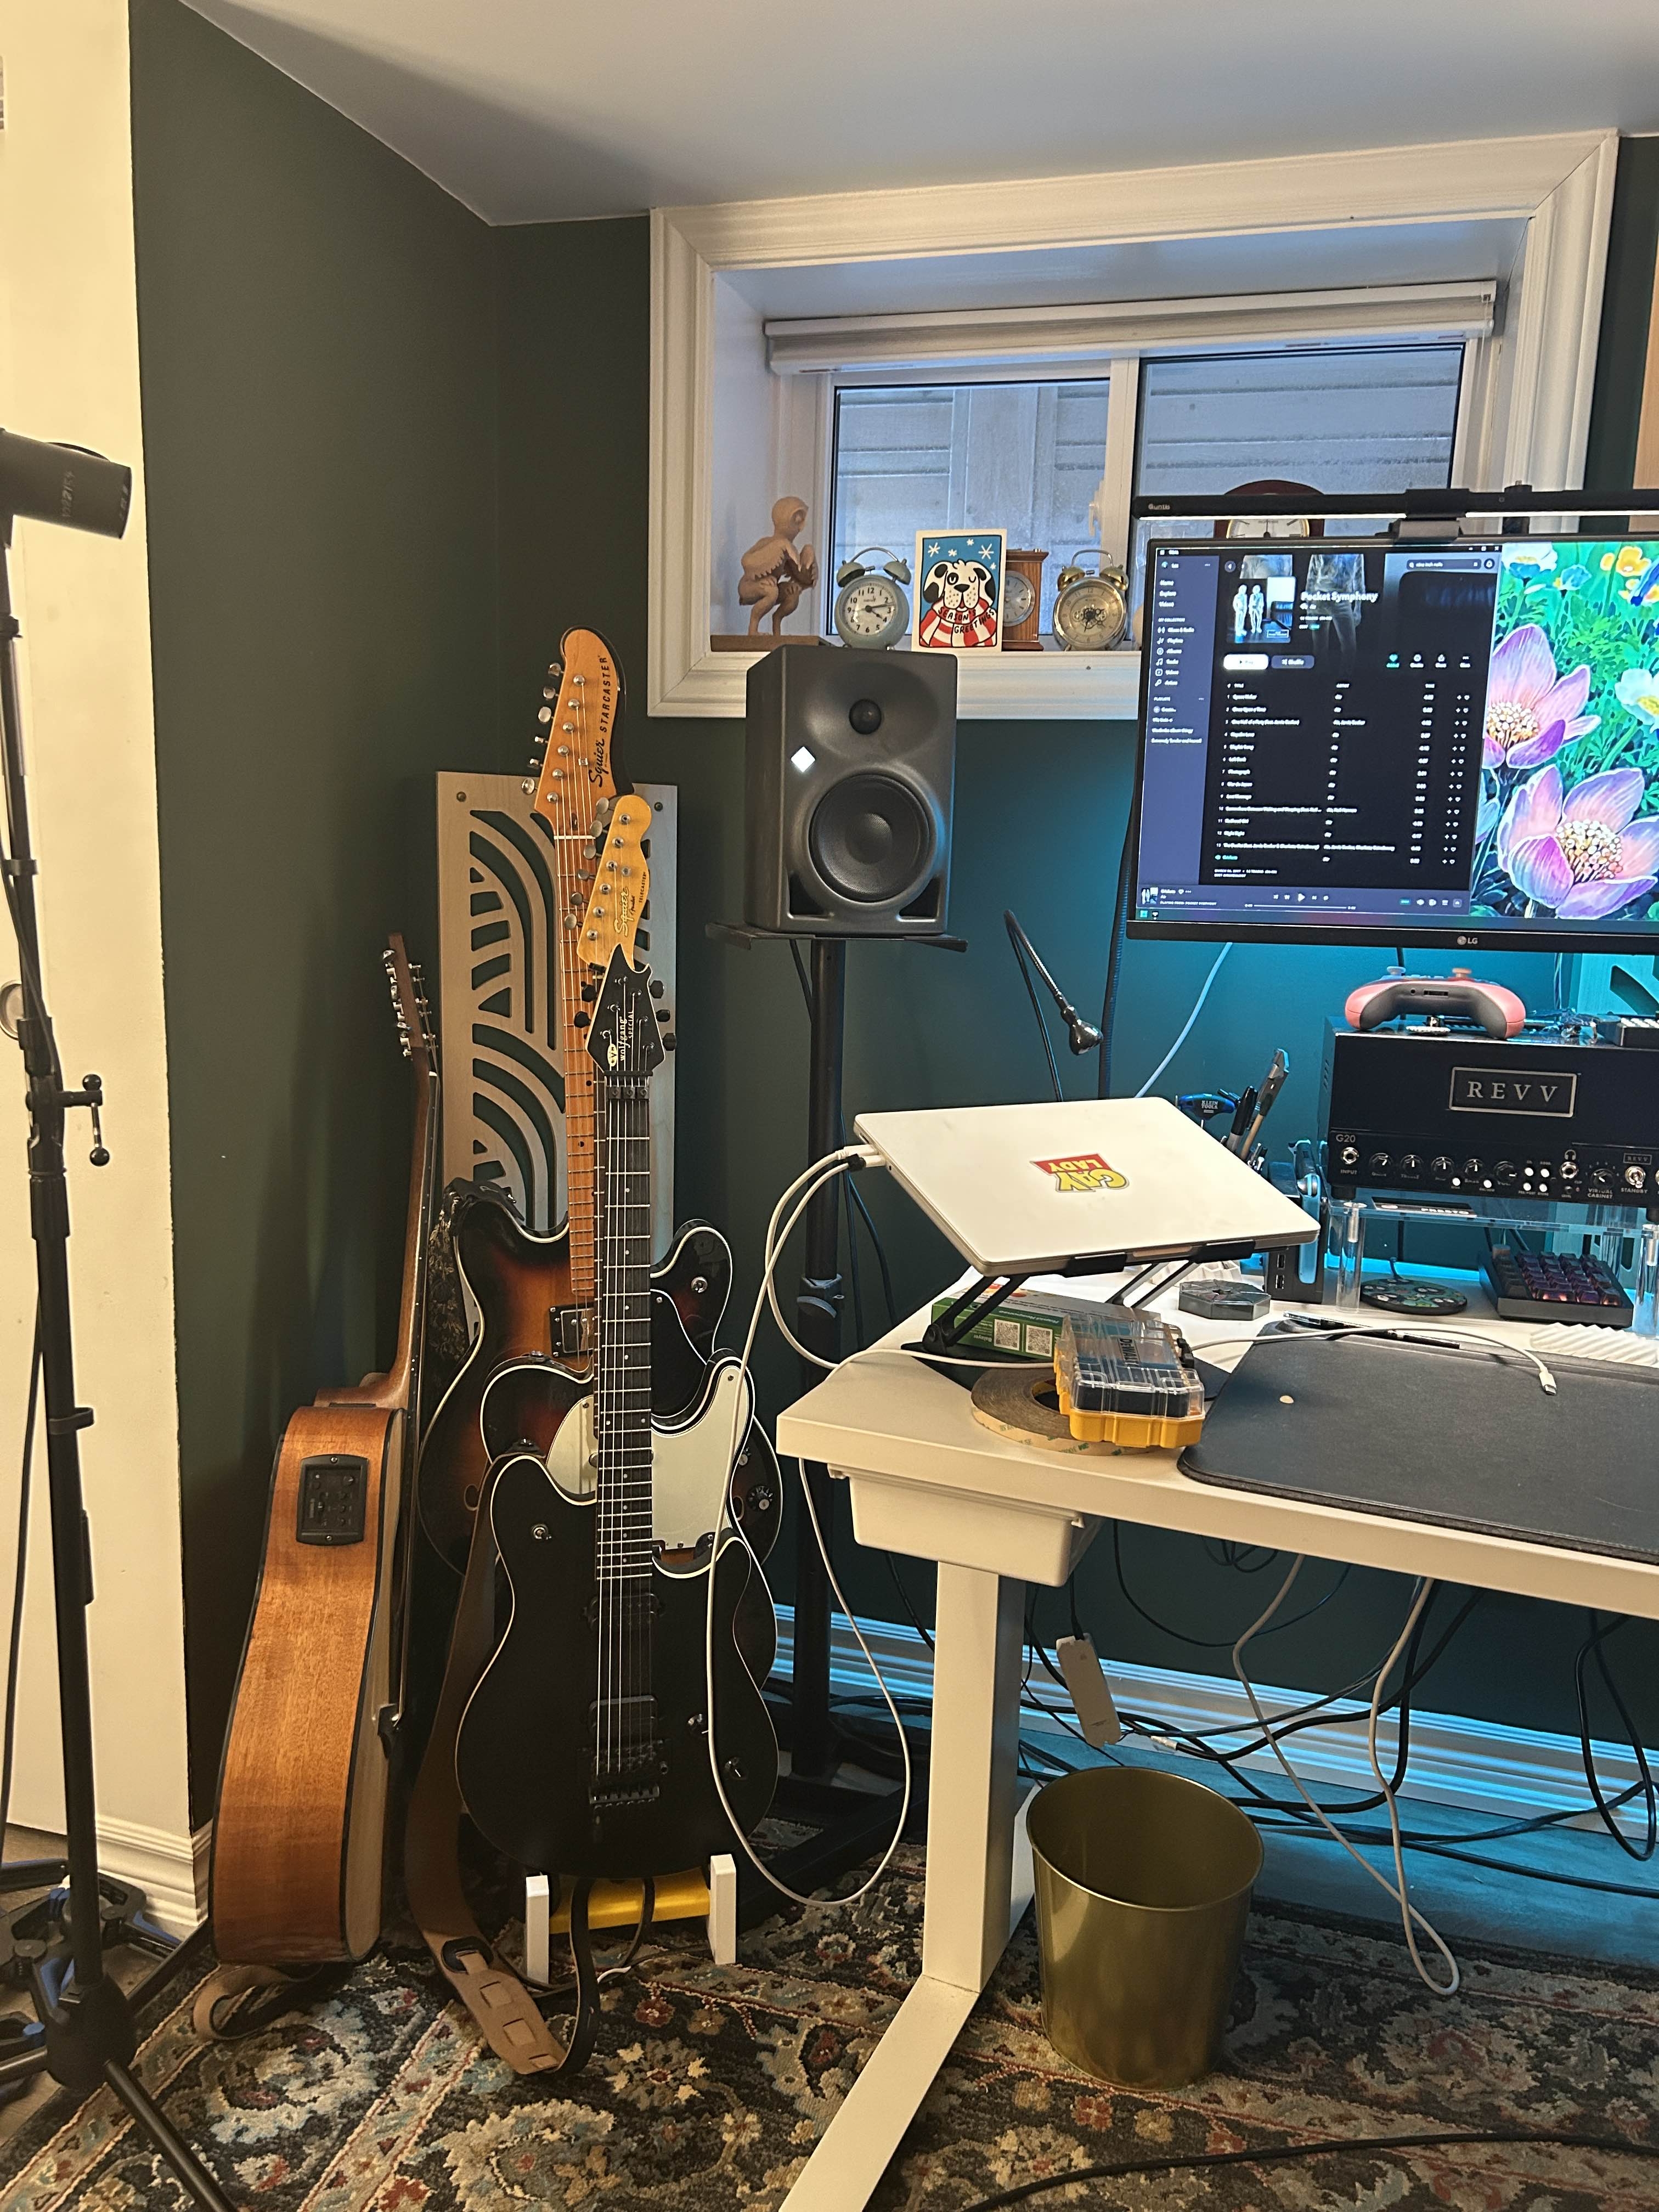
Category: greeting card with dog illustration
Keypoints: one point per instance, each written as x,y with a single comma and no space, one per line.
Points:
959,590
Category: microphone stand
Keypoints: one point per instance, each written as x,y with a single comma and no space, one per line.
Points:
1082,1037
89,2039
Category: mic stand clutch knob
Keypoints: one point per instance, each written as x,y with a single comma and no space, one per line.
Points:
91,1096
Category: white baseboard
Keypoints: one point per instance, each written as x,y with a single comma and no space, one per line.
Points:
171,1870
1477,1765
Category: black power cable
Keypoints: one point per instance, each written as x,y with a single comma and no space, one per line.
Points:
854,1194
1593,1647
1115,949
1208,1643
1282,2154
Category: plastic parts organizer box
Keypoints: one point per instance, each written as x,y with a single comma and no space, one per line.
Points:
1125,1378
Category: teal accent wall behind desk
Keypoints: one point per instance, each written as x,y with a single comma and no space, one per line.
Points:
1039,826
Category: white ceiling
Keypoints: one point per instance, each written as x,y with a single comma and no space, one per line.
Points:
529,110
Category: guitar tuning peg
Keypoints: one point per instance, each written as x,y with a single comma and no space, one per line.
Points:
545,716
528,786
668,1041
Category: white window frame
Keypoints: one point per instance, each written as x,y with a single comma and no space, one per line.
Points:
1524,415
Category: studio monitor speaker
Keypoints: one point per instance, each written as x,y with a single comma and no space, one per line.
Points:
851,770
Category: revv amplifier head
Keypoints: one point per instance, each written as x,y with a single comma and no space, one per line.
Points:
1448,1113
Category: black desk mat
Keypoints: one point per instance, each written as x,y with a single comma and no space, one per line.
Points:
1465,1438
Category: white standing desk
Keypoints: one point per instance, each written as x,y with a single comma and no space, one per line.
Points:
927,1479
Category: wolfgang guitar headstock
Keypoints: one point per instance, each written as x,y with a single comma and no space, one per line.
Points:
610,938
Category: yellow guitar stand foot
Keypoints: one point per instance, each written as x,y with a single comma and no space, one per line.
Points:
693,1895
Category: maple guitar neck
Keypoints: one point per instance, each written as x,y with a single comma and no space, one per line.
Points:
575,790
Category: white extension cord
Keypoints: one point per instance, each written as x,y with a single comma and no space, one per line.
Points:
1411,1918
814,1177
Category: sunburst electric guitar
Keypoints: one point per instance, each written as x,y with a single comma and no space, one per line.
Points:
536,1294
299,1839
584,1749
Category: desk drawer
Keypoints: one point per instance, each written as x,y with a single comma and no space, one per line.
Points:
1030,1543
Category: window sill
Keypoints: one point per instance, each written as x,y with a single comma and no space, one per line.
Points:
993,687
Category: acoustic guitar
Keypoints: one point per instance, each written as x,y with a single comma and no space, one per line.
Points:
535,1293
584,1748
299,1839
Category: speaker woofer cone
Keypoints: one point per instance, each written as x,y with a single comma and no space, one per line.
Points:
872,839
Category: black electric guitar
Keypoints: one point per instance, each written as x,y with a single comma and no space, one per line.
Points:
534,1291
584,1749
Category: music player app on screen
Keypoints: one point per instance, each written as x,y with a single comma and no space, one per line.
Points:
1457,739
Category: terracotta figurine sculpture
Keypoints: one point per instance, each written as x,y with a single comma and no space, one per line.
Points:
775,573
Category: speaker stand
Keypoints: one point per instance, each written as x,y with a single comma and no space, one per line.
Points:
852,1825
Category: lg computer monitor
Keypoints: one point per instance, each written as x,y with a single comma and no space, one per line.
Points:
1453,742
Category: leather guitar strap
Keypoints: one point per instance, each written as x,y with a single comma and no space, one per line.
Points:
512,2021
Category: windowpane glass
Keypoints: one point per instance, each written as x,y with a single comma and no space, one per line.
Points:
1377,418
1363,418
1023,458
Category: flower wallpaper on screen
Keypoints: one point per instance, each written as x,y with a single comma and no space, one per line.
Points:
1569,824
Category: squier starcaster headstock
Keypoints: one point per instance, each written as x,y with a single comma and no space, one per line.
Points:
573,776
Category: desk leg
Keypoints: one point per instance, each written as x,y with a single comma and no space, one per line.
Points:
979,1883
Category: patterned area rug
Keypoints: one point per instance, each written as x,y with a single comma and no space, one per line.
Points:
710,2086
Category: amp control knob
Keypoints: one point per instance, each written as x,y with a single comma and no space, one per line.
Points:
1377,1164
1442,1167
1506,1174
1411,1165
1471,1170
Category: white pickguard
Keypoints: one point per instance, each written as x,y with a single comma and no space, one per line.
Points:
690,1462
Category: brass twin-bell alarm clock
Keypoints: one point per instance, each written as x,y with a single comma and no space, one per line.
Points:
1091,608
871,610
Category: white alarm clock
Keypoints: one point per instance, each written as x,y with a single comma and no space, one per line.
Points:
871,609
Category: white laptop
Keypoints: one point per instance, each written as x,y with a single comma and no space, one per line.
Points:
1027,1190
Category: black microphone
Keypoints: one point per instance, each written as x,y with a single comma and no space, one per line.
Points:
1083,1036
63,483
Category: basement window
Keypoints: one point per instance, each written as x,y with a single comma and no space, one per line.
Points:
1028,358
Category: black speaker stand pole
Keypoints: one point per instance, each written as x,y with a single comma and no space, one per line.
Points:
88,2017
814,1746
852,1825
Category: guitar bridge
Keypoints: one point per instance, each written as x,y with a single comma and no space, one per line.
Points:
627,1761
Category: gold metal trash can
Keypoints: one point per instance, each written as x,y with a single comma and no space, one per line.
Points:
1143,1888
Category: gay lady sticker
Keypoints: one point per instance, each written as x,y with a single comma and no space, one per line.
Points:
1083,1171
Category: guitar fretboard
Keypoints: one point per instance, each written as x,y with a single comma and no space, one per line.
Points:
622,1406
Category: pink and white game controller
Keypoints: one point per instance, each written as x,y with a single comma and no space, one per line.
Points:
1498,1012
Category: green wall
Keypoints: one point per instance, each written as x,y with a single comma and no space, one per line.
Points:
1040,813
318,357
391,456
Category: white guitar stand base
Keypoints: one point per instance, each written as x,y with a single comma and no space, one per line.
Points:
693,1895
